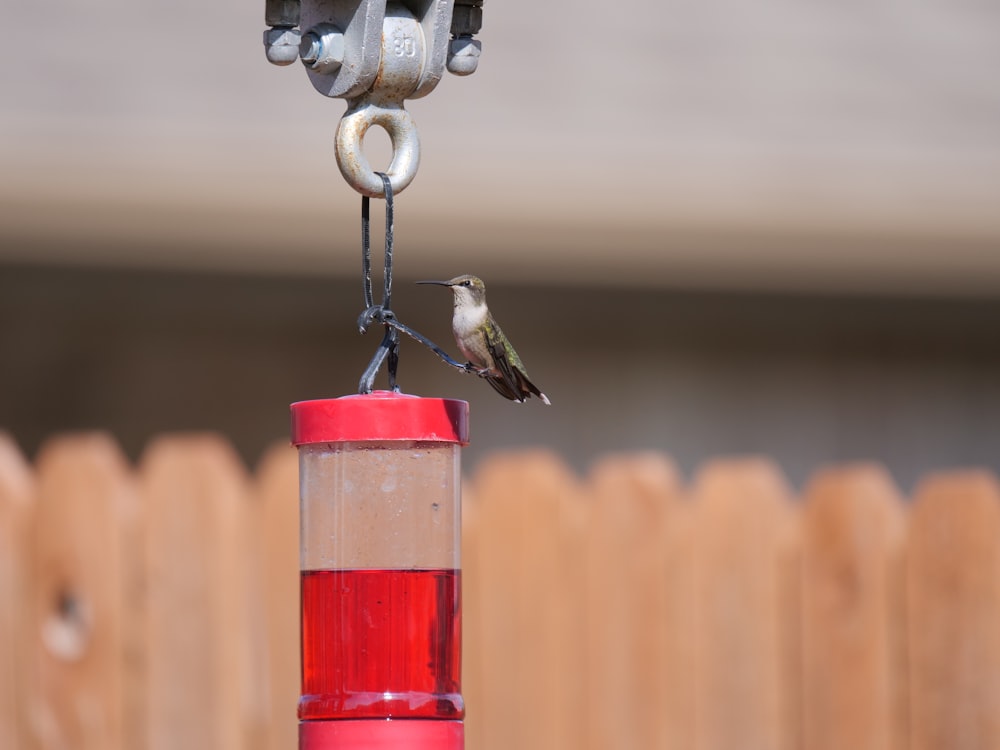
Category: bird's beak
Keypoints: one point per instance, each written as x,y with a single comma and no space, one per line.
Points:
438,283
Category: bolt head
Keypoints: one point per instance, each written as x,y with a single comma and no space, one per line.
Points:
281,13
466,20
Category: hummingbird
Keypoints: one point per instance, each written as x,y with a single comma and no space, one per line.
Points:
481,340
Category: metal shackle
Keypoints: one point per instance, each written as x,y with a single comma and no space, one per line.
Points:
375,54
399,72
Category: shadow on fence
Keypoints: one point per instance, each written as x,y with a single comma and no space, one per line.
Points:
157,606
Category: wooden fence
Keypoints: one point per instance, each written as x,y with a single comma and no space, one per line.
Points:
156,607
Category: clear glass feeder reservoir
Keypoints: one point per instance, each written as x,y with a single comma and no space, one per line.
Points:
380,536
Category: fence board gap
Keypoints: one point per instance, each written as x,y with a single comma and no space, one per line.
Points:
84,619
531,601
852,539
953,584
632,608
198,637
16,506
741,519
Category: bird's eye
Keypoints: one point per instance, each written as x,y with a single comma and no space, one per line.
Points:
466,283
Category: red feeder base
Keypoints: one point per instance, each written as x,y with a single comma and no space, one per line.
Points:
382,734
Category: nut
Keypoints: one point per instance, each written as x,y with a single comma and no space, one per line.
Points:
281,45
322,48
463,55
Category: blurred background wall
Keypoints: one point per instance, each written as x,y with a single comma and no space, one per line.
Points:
708,228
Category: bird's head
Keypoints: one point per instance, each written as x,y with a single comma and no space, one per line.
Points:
468,289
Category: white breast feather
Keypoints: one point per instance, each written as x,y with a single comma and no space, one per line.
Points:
467,319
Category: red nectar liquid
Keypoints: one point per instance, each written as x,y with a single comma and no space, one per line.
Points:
381,643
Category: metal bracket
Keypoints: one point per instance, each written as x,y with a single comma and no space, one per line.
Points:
375,54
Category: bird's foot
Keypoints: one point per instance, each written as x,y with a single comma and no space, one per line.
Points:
474,370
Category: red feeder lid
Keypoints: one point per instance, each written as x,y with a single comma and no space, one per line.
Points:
380,415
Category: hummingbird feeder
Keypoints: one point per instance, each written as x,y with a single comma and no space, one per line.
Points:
380,545
380,501
379,472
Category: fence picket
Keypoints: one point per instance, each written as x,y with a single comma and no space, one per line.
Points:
531,602
16,506
472,621
741,512
676,726
83,631
790,626
852,535
954,613
198,639
277,541
633,578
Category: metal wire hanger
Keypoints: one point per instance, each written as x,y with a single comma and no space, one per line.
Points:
381,313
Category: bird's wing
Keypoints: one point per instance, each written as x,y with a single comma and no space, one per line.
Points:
501,356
